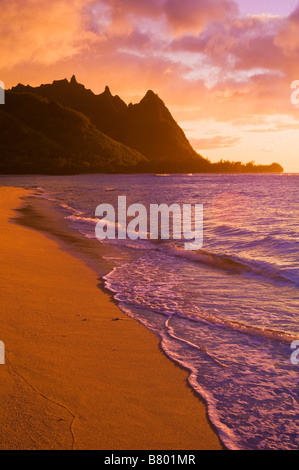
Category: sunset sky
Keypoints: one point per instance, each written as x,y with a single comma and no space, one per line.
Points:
223,67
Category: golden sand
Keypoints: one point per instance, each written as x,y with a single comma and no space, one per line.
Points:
74,378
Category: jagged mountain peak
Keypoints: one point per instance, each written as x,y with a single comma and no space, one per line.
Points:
147,127
151,94
151,97
73,80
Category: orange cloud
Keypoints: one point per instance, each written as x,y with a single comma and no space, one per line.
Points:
216,142
41,31
288,37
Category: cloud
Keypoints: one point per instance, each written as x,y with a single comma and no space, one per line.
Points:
194,15
243,43
288,37
203,57
216,142
267,124
41,31
188,16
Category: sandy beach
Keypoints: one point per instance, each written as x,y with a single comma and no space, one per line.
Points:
79,374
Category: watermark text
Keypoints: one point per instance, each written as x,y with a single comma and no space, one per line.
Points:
295,94
295,355
2,93
160,222
2,353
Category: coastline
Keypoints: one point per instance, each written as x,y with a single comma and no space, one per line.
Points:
79,374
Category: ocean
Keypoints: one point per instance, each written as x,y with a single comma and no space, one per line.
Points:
227,313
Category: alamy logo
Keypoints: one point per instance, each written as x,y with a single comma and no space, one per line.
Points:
2,353
295,355
2,93
295,94
186,222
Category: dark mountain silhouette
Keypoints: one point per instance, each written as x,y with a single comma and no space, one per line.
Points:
70,129
38,136
148,127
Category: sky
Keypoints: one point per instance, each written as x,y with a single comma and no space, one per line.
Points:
273,7
224,68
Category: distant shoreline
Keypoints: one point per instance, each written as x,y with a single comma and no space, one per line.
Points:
153,173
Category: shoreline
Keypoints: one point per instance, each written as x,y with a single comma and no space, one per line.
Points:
79,373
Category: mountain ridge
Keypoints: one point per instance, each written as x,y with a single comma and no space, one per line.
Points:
145,136
147,126
39,136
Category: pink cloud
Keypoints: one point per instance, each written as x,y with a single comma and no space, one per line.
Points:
241,43
288,37
177,16
194,15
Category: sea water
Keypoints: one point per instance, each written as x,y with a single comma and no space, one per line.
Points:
228,312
